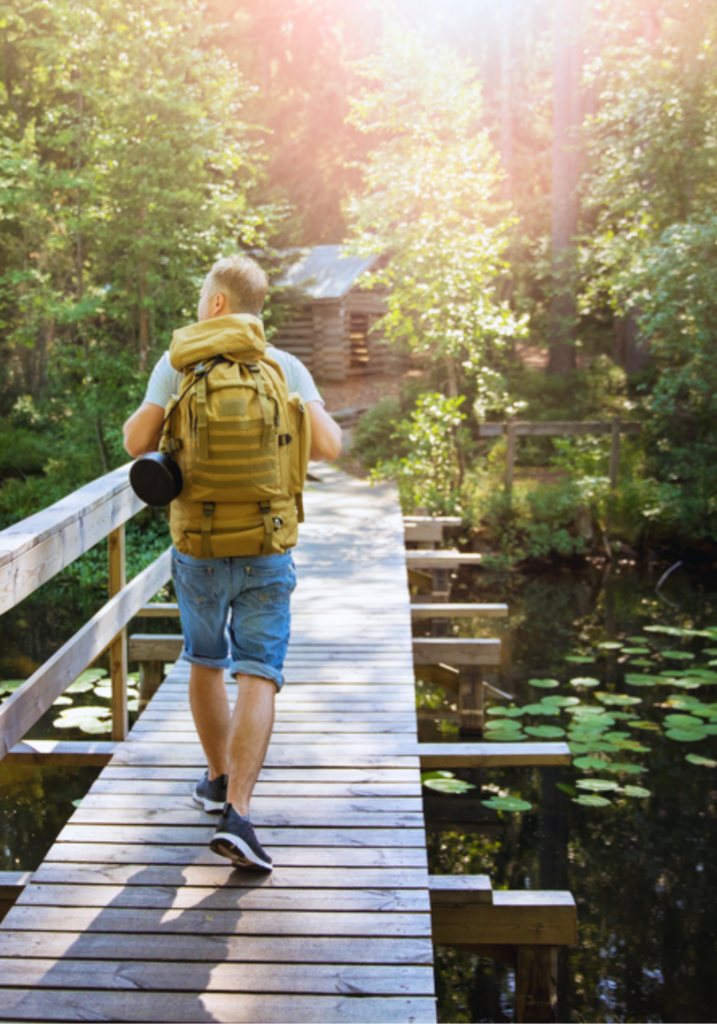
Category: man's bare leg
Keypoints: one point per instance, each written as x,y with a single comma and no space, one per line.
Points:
249,735
236,744
210,711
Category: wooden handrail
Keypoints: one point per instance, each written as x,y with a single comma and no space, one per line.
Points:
20,711
36,549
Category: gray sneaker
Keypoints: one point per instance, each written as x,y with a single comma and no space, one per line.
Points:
211,795
235,839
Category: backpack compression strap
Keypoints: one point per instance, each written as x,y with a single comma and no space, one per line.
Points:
265,404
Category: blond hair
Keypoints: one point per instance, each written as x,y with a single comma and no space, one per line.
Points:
242,282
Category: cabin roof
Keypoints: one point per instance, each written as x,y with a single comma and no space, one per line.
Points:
326,271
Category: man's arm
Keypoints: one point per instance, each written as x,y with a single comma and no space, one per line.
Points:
325,433
143,430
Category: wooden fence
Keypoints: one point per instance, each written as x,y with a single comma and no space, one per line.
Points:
514,429
35,550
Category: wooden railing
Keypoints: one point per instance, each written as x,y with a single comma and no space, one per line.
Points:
514,429
35,550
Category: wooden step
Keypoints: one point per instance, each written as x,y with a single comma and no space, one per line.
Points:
448,651
458,611
442,559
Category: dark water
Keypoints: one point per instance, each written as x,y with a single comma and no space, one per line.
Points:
642,871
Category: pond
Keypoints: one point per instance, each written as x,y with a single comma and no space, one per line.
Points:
641,867
588,658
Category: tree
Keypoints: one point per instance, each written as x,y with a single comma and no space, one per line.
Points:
429,201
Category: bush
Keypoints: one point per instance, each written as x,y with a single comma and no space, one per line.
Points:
373,438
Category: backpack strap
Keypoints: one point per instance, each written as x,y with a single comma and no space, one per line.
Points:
299,502
265,404
265,509
207,518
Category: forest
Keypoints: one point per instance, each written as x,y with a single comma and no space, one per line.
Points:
540,173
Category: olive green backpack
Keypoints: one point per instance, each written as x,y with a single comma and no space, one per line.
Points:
240,439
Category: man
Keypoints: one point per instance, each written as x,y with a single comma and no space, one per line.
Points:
253,591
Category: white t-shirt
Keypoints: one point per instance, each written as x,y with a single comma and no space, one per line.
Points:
166,381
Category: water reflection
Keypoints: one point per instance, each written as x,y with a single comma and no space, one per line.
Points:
642,871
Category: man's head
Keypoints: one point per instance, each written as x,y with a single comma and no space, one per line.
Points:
235,284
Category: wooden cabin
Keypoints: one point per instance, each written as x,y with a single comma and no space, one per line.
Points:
330,330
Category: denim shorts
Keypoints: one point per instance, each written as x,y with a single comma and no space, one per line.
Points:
235,611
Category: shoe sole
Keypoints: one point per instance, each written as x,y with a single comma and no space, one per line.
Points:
238,852
210,806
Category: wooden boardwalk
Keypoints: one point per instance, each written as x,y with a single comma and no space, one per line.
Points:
131,917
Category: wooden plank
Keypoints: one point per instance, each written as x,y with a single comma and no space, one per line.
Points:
441,559
361,980
297,755
307,816
260,804
557,428
514,918
476,755
463,890
61,752
327,837
248,898
208,879
245,949
118,647
265,788
443,520
156,844
221,922
21,710
36,549
159,610
312,777
437,650
81,1005
458,611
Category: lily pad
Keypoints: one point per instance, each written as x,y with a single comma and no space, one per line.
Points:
448,785
579,659
707,762
623,716
62,700
548,732
686,735
503,725
597,785
507,803
81,686
584,681
544,684
640,662
610,645
542,709
625,769
617,735
578,748
437,774
637,792
617,698
635,679
591,801
510,712
683,722
636,650
560,702
133,705
702,673
95,725
632,745
647,726
677,655
590,763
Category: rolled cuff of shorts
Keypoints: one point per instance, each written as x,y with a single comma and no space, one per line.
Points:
255,668
197,659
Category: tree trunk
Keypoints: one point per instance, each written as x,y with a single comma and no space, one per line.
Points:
506,16
567,68
142,287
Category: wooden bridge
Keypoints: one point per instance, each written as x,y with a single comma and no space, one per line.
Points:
131,917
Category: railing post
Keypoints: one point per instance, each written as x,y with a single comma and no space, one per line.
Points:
509,455
118,647
615,452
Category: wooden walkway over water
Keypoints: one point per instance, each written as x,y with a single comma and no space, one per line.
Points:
131,917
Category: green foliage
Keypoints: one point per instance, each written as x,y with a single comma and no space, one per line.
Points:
374,437
429,475
429,198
